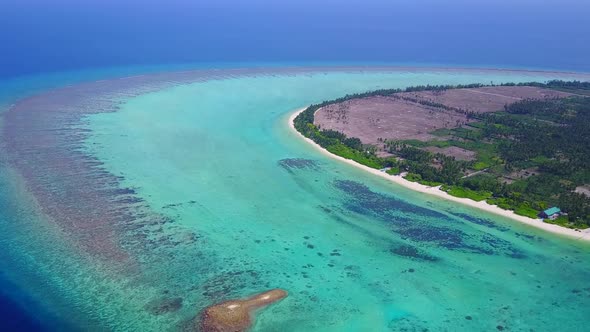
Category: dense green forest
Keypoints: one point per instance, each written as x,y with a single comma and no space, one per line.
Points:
530,156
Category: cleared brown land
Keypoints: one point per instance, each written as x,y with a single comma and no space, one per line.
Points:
384,117
401,116
486,99
458,153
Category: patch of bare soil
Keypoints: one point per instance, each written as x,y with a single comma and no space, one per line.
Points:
385,117
486,99
523,174
453,151
584,190
407,115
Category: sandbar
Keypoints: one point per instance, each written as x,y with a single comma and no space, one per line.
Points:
237,315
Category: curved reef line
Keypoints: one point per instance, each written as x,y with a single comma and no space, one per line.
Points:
43,137
435,191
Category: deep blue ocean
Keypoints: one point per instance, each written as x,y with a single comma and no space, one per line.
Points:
130,36
40,35
17,311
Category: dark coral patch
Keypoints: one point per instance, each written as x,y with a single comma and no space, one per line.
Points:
366,201
503,246
423,225
412,253
291,164
164,305
480,221
452,239
228,283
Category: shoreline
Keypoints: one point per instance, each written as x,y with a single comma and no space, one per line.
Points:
435,191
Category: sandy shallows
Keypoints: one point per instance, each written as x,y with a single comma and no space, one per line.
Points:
237,315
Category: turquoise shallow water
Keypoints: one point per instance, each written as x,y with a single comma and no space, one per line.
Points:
355,253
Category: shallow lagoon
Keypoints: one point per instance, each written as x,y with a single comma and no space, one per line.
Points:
249,206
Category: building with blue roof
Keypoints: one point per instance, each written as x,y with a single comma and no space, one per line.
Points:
551,213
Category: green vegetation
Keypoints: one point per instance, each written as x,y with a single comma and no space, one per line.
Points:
530,156
576,87
394,170
464,192
561,221
361,157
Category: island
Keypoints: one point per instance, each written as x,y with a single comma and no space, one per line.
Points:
523,148
236,315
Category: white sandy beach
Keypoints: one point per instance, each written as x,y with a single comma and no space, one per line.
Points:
435,191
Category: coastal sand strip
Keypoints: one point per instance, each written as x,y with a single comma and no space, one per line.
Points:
435,191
